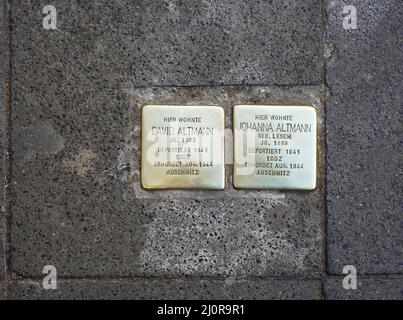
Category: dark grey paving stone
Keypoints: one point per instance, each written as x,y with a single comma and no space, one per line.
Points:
364,172
2,155
73,138
69,120
233,232
167,290
181,42
2,291
367,289
76,208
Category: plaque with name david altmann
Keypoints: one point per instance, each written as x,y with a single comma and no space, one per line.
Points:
182,147
275,147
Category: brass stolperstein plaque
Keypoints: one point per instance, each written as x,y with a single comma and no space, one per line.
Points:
182,147
275,147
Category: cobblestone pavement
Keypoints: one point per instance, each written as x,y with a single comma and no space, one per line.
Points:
70,120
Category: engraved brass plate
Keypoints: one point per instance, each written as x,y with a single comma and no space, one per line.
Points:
182,147
275,147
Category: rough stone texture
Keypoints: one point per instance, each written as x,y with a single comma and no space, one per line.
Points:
2,290
367,289
188,42
167,290
364,172
73,132
69,123
110,228
73,204
2,155
231,232
224,42
76,198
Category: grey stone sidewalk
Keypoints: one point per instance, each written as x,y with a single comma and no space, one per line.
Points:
2,153
169,289
71,123
364,132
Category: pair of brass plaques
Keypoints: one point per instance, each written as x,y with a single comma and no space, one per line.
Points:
183,147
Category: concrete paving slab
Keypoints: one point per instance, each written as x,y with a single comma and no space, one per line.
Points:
364,172
168,290
367,289
74,206
180,43
231,232
88,219
2,152
2,290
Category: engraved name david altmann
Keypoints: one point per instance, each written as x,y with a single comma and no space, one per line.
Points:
182,147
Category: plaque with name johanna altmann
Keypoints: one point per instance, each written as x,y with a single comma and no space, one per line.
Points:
182,147
275,147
